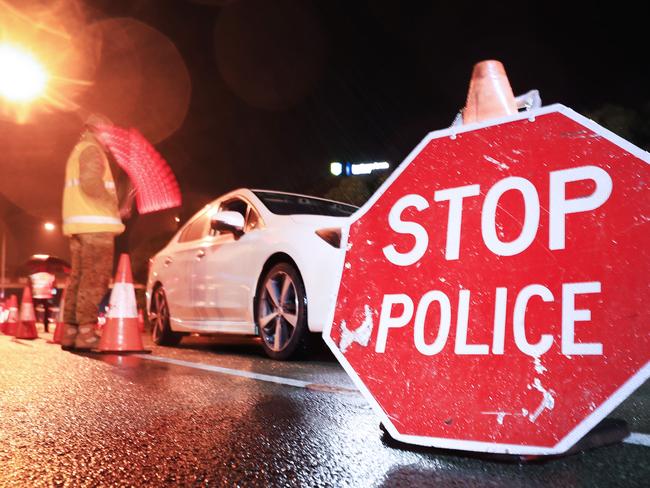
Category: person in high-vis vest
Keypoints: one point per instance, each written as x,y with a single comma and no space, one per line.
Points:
42,286
91,218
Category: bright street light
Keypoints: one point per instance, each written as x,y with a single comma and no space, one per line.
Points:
22,77
49,226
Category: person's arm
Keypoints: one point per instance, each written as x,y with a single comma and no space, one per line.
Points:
126,204
91,172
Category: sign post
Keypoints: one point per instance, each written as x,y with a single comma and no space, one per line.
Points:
494,293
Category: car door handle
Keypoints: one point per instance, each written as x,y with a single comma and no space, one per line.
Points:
168,261
200,254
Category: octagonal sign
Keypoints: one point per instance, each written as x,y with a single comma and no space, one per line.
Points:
494,295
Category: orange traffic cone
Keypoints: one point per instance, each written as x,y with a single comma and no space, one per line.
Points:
27,326
490,94
58,332
9,327
121,332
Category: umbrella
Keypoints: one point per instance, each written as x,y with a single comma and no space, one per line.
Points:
40,263
155,183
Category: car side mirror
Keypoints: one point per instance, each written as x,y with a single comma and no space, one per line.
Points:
228,221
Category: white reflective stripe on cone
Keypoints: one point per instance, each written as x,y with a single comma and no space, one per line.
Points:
27,313
122,304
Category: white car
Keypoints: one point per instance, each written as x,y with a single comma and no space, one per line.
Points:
252,262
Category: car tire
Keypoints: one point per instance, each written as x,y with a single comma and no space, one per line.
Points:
161,332
281,313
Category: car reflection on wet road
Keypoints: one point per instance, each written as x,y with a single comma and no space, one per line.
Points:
217,412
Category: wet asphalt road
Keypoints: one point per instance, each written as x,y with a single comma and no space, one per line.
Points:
88,420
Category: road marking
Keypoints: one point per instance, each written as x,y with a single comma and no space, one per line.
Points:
331,388
638,438
249,374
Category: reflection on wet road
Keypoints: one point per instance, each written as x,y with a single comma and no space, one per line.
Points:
217,412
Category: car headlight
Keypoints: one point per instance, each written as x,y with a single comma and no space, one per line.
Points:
331,235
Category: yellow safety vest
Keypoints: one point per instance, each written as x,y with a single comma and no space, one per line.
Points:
83,214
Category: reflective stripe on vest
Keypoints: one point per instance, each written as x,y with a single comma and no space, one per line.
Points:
91,219
109,185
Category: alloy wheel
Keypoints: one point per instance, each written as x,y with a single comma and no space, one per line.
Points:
278,310
160,314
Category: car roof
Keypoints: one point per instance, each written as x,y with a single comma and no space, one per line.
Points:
250,194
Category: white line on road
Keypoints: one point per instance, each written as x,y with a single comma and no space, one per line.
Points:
229,371
247,374
638,438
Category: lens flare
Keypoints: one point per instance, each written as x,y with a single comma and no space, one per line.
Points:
141,81
22,77
119,67
47,58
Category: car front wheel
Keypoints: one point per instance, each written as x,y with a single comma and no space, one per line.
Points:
281,312
161,332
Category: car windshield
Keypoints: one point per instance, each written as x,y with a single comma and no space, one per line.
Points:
284,204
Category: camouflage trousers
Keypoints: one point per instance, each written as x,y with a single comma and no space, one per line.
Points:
92,266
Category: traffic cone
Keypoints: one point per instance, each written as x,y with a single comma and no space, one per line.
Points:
10,326
27,326
121,332
490,94
58,331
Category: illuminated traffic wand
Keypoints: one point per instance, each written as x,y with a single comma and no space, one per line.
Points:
155,183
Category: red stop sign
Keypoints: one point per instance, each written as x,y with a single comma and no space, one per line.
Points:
495,294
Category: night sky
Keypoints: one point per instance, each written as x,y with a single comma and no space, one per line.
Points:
281,88
265,93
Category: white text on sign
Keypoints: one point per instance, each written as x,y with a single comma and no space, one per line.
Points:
570,315
559,207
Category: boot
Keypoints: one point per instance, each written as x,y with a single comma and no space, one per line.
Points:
87,338
69,336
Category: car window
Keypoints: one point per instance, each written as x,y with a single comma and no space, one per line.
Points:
289,204
253,220
196,229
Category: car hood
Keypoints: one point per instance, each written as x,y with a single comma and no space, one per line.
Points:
321,221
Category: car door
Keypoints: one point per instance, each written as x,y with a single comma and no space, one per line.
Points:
179,280
225,273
